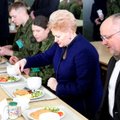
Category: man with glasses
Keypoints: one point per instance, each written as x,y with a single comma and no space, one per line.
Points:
110,34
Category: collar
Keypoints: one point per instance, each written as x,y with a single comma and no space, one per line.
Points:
26,26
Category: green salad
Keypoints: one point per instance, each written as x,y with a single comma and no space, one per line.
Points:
36,94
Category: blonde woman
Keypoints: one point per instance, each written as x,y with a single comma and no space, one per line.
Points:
75,62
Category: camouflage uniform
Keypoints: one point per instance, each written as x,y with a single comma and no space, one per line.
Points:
24,43
47,71
29,47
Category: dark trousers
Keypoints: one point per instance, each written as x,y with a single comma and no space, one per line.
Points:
110,118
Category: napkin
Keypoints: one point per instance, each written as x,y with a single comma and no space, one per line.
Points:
23,102
4,110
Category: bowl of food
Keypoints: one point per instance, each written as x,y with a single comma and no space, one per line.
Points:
34,83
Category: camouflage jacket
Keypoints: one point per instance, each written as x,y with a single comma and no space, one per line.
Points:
47,71
24,43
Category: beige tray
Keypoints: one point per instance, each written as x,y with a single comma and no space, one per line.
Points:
9,89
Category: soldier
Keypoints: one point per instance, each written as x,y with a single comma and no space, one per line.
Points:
42,35
24,44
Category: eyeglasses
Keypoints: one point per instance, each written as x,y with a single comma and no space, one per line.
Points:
103,37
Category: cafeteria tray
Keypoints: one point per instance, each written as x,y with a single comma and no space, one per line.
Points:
68,114
9,89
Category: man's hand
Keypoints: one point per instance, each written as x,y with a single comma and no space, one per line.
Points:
13,59
97,21
5,51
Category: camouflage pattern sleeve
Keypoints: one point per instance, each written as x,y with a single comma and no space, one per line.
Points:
24,43
47,71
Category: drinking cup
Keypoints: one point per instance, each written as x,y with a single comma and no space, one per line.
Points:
100,14
11,70
23,102
10,111
34,83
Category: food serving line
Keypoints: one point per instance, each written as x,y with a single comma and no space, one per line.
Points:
47,99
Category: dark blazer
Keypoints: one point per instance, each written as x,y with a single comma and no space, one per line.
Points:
103,113
98,4
4,27
78,75
44,7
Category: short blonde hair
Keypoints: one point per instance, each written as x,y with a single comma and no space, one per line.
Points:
17,5
62,20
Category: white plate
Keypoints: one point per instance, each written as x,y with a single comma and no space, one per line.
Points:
41,95
10,88
42,108
10,80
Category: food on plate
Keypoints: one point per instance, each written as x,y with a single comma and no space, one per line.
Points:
19,93
7,78
60,113
36,113
3,78
28,93
36,94
55,109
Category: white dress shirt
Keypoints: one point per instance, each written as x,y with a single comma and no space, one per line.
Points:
112,86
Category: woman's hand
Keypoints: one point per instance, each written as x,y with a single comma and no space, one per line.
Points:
26,71
13,59
19,66
52,83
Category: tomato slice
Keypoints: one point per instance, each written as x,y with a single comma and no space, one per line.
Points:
60,113
3,80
